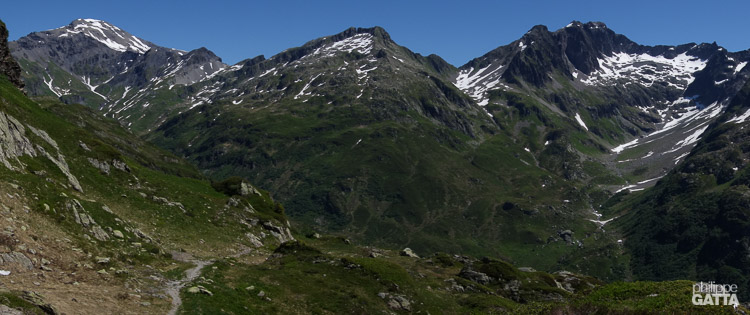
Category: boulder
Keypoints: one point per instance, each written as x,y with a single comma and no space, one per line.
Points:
120,165
84,146
205,291
396,302
409,253
280,233
399,302
103,166
16,258
247,189
254,239
38,300
566,235
99,233
199,289
476,276
4,310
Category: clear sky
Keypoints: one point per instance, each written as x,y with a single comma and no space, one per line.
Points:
456,30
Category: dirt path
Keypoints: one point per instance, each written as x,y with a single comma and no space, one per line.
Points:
173,287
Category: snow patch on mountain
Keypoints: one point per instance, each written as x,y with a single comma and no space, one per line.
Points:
87,82
307,86
107,34
741,118
477,83
645,69
51,87
580,121
691,139
691,124
624,146
362,72
362,43
740,66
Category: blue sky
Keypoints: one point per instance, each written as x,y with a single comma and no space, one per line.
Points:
456,30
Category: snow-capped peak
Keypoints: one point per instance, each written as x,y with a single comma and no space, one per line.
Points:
107,34
361,43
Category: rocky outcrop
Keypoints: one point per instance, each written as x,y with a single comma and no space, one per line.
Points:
39,301
99,233
81,216
397,302
280,233
138,233
247,189
86,221
8,66
200,289
254,239
16,258
120,165
45,136
103,166
13,141
478,277
5,310
169,203
63,166
571,282
566,235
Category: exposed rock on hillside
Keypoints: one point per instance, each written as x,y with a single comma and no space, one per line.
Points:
8,66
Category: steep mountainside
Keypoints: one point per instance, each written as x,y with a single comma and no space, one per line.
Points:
92,214
357,134
104,67
695,222
663,97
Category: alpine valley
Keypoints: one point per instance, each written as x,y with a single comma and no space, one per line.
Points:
570,171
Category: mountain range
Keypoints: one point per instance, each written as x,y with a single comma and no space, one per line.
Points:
575,149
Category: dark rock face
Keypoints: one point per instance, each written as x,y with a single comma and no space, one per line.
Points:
8,66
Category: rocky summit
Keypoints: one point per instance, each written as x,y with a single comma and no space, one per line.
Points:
353,175
8,66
